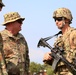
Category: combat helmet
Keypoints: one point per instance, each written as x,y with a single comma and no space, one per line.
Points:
63,12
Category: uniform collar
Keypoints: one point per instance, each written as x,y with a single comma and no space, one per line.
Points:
9,34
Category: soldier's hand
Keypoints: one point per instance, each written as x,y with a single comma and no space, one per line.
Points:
47,56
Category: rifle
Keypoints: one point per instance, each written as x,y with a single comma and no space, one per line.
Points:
57,54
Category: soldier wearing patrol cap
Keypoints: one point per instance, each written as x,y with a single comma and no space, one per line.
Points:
63,19
1,5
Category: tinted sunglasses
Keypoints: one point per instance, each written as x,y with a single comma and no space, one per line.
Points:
19,21
58,19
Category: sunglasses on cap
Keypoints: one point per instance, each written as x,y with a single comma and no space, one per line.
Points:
20,21
58,18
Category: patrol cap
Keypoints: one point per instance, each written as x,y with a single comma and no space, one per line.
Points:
1,3
63,12
11,17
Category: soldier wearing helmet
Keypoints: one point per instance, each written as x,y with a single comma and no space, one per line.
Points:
63,19
1,5
63,12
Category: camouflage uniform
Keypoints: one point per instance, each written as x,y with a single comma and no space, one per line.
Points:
3,70
15,52
67,41
14,58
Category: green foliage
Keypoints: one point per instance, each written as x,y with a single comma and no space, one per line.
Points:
48,69
35,67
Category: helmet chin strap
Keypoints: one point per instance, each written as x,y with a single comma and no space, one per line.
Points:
63,24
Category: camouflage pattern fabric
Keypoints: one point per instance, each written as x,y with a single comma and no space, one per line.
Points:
11,17
3,70
63,12
68,42
15,52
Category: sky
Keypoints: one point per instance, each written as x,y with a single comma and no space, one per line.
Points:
38,21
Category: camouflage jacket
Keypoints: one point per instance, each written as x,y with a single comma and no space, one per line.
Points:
68,42
14,53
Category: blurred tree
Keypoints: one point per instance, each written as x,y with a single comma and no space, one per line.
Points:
35,68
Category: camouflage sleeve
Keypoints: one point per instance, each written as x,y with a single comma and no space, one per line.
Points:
3,70
73,37
58,41
73,45
27,60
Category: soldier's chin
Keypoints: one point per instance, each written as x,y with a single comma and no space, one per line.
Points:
60,28
19,30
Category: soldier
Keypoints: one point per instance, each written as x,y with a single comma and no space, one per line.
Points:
15,49
1,5
63,19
